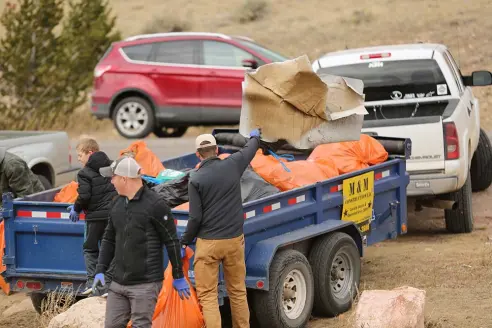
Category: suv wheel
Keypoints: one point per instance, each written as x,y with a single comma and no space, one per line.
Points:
133,117
165,132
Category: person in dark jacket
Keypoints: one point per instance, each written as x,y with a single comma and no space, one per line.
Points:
216,219
140,223
16,177
95,194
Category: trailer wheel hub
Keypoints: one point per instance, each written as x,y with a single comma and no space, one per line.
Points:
341,274
294,294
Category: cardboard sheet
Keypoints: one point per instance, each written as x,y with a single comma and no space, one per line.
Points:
289,101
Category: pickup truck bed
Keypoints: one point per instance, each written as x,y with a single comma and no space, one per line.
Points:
44,249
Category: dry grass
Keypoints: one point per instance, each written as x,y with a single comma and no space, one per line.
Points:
252,11
57,302
166,23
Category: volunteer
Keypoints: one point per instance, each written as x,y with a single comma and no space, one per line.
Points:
16,177
216,218
139,223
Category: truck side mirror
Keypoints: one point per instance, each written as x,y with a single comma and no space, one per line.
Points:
478,79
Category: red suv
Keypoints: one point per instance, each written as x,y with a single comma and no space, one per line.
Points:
164,83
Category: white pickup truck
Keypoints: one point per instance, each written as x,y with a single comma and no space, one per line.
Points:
47,154
417,91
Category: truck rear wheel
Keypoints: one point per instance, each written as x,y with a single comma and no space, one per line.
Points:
289,301
336,268
460,220
481,164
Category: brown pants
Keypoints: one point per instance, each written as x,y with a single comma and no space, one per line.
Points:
209,254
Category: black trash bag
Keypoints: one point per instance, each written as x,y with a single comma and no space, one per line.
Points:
174,192
254,187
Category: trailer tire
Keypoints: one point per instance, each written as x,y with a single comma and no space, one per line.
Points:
37,301
290,276
481,164
460,220
334,254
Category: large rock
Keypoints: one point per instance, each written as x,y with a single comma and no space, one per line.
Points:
401,307
87,313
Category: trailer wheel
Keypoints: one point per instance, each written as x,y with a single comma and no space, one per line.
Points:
335,261
37,301
289,302
481,164
460,220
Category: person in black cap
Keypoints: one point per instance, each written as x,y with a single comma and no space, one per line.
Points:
139,224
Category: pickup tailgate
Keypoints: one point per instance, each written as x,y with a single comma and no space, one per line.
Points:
427,138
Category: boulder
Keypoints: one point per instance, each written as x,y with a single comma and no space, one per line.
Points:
401,307
87,313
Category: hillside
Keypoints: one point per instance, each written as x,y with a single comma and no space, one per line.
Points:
313,27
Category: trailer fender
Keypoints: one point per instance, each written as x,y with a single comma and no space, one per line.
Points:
261,255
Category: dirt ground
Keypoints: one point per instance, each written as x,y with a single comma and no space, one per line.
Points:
454,270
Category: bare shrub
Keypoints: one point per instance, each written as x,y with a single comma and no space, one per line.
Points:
251,11
166,24
55,303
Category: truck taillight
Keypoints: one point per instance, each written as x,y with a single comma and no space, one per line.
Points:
451,141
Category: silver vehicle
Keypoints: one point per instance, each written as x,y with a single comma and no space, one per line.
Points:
47,154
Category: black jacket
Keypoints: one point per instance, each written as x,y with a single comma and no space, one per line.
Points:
214,190
135,233
95,191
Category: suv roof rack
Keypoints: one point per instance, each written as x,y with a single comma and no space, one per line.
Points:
160,35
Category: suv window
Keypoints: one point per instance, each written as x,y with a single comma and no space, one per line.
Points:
217,53
398,79
176,52
139,52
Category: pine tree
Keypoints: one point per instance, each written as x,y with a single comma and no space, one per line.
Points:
28,55
87,34
45,76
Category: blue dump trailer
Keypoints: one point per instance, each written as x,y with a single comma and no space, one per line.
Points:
303,246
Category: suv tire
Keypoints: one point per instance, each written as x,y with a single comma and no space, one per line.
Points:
133,118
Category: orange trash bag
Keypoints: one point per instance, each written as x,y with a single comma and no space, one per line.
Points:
3,284
67,194
351,156
150,163
301,173
183,207
171,310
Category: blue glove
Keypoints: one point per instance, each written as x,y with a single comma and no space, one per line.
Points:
182,287
183,251
255,133
74,216
98,279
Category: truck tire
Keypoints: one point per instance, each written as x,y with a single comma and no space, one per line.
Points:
289,301
481,164
163,132
460,220
335,261
44,181
133,117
